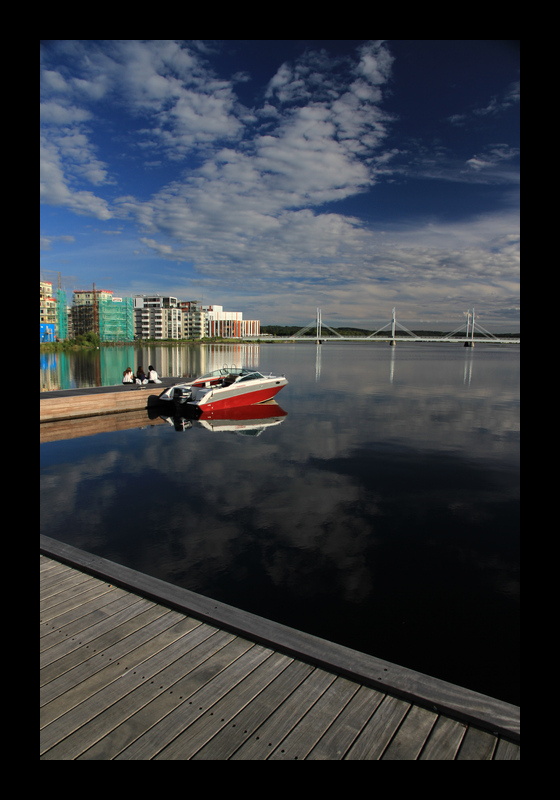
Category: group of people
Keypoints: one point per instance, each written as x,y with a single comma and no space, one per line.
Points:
140,377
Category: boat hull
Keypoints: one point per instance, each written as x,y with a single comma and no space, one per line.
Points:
236,399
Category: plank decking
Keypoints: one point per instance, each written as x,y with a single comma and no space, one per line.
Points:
71,404
126,677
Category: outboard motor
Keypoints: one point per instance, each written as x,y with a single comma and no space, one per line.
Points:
181,395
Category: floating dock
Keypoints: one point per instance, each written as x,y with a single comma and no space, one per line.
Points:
134,668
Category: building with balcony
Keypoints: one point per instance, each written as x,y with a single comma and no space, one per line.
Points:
229,324
157,317
53,312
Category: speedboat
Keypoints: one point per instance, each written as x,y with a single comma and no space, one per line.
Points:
228,387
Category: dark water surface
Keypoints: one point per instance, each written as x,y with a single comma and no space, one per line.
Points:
381,512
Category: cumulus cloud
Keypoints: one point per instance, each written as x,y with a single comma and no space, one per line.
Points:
246,200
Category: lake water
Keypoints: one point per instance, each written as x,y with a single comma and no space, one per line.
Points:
381,511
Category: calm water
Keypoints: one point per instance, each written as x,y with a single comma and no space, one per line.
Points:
381,512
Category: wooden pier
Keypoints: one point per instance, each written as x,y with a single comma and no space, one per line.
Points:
66,404
133,668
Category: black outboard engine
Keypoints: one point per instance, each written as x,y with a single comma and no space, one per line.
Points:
181,395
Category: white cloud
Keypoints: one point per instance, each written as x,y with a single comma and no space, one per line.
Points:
248,213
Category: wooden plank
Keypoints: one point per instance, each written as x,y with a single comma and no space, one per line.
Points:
444,740
200,731
411,735
207,726
506,751
477,745
136,657
245,724
379,730
341,735
69,600
200,690
301,740
275,729
114,688
83,617
143,628
71,643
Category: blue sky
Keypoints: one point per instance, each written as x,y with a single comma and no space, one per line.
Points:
274,177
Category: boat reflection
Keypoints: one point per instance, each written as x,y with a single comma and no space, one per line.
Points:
244,420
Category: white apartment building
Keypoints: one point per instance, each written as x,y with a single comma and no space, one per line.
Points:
194,319
229,324
157,317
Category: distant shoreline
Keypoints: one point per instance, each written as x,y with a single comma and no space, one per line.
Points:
65,346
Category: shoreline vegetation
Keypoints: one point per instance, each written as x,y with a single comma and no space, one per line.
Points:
91,341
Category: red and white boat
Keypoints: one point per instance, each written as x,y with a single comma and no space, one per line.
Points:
228,387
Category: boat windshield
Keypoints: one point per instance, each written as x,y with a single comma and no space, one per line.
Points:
216,373
250,376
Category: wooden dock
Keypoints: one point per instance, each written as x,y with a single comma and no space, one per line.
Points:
133,668
68,404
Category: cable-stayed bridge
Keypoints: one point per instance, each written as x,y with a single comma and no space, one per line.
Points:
393,335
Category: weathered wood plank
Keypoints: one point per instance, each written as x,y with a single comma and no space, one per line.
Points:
379,730
340,736
121,686
301,740
245,724
272,732
477,745
245,679
58,605
196,692
71,643
506,751
444,740
143,628
81,618
411,735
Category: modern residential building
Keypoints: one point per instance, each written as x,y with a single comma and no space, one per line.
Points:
229,324
47,311
194,319
120,319
52,312
157,317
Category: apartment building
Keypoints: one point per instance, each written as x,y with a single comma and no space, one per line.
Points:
53,316
157,317
229,324
141,317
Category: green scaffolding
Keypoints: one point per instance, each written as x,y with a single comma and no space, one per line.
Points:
61,314
116,320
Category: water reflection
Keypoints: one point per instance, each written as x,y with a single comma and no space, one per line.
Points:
382,511
105,366
246,421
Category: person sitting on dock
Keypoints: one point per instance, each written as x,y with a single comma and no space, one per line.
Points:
141,375
128,376
152,375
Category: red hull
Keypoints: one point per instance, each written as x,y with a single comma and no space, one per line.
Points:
260,411
242,399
